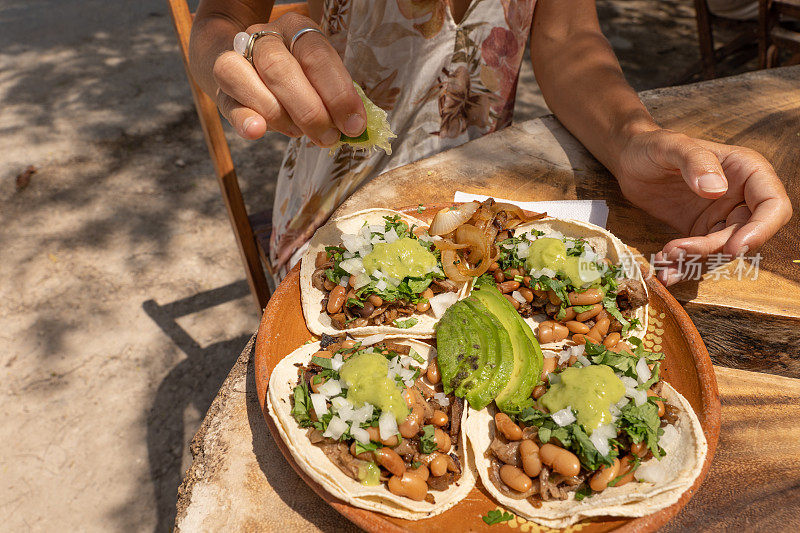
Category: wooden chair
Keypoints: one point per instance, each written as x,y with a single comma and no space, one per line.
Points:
252,232
740,49
775,33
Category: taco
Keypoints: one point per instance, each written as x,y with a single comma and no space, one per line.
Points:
605,437
367,424
570,280
374,272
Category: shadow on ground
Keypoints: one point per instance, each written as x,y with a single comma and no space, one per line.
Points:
193,382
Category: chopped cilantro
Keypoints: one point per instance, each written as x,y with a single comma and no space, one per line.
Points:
302,404
495,516
584,492
368,447
324,362
415,464
427,442
641,423
405,324
353,302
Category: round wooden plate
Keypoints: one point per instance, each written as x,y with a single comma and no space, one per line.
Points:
687,367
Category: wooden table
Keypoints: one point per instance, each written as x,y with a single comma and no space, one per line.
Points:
239,480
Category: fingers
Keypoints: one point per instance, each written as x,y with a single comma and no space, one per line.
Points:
315,90
699,167
330,78
671,261
238,80
246,122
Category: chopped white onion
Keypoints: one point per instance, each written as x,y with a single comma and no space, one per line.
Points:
408,382
332,387
336,427
339,403
441,302
352,266
555,235
387,425
345,413
578,350
629,383
406,362
360,434
638,396
360,280
518,297
522,250
377,228
344,281
600,442
391,236
583,360
563,417
563,356
622,403
320,404
643,372
547,272
381,285
347,255
442,398
363,413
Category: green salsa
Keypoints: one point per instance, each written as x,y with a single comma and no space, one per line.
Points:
368,473
403,258
547,252
366,376
589,391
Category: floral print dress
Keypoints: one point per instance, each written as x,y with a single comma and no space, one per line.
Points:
441,83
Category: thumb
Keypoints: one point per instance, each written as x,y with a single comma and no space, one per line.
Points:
699,167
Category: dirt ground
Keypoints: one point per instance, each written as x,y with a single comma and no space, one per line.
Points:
123,298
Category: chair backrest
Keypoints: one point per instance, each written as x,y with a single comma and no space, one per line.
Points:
220,153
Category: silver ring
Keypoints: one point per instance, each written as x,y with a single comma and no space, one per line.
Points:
300,33
251,43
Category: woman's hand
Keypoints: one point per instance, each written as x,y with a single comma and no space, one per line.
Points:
309,92
727,199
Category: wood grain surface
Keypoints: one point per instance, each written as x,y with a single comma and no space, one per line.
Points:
540,160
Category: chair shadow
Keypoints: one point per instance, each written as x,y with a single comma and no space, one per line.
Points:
280,475
192,382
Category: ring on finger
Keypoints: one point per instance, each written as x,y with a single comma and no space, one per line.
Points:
299,34
244,43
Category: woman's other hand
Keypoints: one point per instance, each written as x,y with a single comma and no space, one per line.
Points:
308,92
727,199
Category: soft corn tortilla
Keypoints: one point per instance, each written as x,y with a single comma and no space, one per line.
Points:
633,499
316,464
605,244
330,234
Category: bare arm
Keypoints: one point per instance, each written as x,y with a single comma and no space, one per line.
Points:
725,199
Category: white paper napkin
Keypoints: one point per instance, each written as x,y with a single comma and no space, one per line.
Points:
592,211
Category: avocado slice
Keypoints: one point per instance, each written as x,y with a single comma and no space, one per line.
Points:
499,362
451,345
527,353
477,351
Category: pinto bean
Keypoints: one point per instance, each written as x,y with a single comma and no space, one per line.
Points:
626,470
375,300
438,465
515,478
548,365
560,332
554,299
421,472
512,300
507,427
529,454
321,259
410,486
432,372
439,419
603,477
639,449
427,293
539,390
545,332
562,461
526,293
611,340
579,338
587,297
494,266
410,427
329,285
375,436
365,311
364,456
499,276
526,280
577,327
591,313
336,299
443,443
388,459
423,307
316,384
602,326
570,314
508,286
